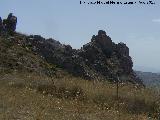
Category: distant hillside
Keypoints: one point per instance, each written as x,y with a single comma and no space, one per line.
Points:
146,69
150,79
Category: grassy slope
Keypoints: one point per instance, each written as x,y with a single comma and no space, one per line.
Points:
28,94
31,96
15,57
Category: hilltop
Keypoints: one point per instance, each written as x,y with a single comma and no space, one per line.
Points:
100,59
44,79
150,79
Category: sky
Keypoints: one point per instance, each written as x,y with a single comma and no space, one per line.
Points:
70,22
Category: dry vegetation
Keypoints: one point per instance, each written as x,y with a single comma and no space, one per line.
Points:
29,96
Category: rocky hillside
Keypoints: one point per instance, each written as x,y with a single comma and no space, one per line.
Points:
17,57
100,59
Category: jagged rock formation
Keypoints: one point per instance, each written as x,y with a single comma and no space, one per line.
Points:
8,26
99,59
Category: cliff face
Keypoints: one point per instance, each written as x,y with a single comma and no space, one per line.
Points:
99,59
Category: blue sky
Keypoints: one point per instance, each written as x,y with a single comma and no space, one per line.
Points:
71,23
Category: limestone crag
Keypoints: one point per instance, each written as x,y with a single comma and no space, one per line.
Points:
99,59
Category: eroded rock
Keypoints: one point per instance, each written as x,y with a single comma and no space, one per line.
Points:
99,59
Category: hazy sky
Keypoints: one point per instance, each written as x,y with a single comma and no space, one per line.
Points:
71,23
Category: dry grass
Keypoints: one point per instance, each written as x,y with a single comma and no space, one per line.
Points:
31,96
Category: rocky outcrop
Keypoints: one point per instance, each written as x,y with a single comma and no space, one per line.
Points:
8,26
99,59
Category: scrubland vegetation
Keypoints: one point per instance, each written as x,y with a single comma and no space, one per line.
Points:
29,92
32,96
